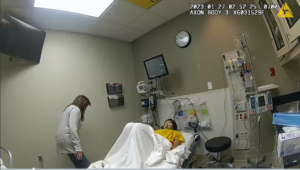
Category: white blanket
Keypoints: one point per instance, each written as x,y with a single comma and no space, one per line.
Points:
140,147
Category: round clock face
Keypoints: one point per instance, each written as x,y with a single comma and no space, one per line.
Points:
183,39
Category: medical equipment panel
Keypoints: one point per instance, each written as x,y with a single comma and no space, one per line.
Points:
252,104
261,103
145,103
156,67
269,99
142,87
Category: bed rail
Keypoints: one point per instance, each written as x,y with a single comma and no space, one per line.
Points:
9,156
193,149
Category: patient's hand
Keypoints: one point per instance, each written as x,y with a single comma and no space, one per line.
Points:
176,143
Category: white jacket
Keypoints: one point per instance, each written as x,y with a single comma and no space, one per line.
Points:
67,137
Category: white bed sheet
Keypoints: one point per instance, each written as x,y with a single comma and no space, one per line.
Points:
188,138
136,137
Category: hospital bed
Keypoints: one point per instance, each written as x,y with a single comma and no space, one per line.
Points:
192,142
180,157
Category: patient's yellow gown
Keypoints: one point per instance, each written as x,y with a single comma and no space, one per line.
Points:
171,135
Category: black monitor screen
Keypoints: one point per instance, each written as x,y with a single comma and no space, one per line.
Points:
261,101
19,39
156,67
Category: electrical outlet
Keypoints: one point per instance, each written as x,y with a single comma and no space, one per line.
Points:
40,158
242,144
245,115
236,144
237,117
241,116
241,136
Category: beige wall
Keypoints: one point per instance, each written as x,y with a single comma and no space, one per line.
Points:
2,7
33,98
211,37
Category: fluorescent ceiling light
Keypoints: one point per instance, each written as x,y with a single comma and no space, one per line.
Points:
86,7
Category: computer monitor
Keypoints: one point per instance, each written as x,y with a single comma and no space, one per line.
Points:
156,67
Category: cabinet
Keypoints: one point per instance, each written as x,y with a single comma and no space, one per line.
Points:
282,31
279,41
292,24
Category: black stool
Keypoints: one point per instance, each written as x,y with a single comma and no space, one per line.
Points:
217,145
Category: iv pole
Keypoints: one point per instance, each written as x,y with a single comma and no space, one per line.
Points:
256,164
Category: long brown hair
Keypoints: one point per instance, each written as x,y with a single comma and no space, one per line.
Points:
81,102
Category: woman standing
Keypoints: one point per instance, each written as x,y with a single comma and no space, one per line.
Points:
67,137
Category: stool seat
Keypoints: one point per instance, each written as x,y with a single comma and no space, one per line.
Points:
218,144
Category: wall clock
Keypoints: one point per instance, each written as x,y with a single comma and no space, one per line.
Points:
183,39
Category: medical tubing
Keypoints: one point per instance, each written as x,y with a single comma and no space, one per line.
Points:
195,115
181,99
225,123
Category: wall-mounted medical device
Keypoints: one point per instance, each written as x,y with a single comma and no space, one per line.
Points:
156,67
252,104
142,87
145,103
261,103
269,101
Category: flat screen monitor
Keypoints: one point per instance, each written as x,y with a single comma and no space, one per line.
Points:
21,40
261,101
156,67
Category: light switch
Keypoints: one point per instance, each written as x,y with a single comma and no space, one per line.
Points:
209,85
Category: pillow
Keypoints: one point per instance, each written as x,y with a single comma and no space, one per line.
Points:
188,138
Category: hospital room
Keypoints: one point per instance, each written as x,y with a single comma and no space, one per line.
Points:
150,84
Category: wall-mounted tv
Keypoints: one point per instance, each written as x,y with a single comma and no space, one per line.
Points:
21,40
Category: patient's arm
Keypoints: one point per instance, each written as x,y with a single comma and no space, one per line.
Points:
176,143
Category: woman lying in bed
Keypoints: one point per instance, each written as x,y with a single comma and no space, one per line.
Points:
170,132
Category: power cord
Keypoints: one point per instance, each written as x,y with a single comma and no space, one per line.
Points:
181,99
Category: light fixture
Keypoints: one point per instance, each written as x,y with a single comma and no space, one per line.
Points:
86,7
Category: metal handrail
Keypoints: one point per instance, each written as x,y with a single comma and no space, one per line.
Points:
9,156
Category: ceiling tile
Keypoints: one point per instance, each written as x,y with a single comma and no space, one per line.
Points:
123,12
170,8
65,21
128,34
197,1
106,28
147,21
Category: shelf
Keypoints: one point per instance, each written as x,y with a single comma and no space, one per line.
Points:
267,87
